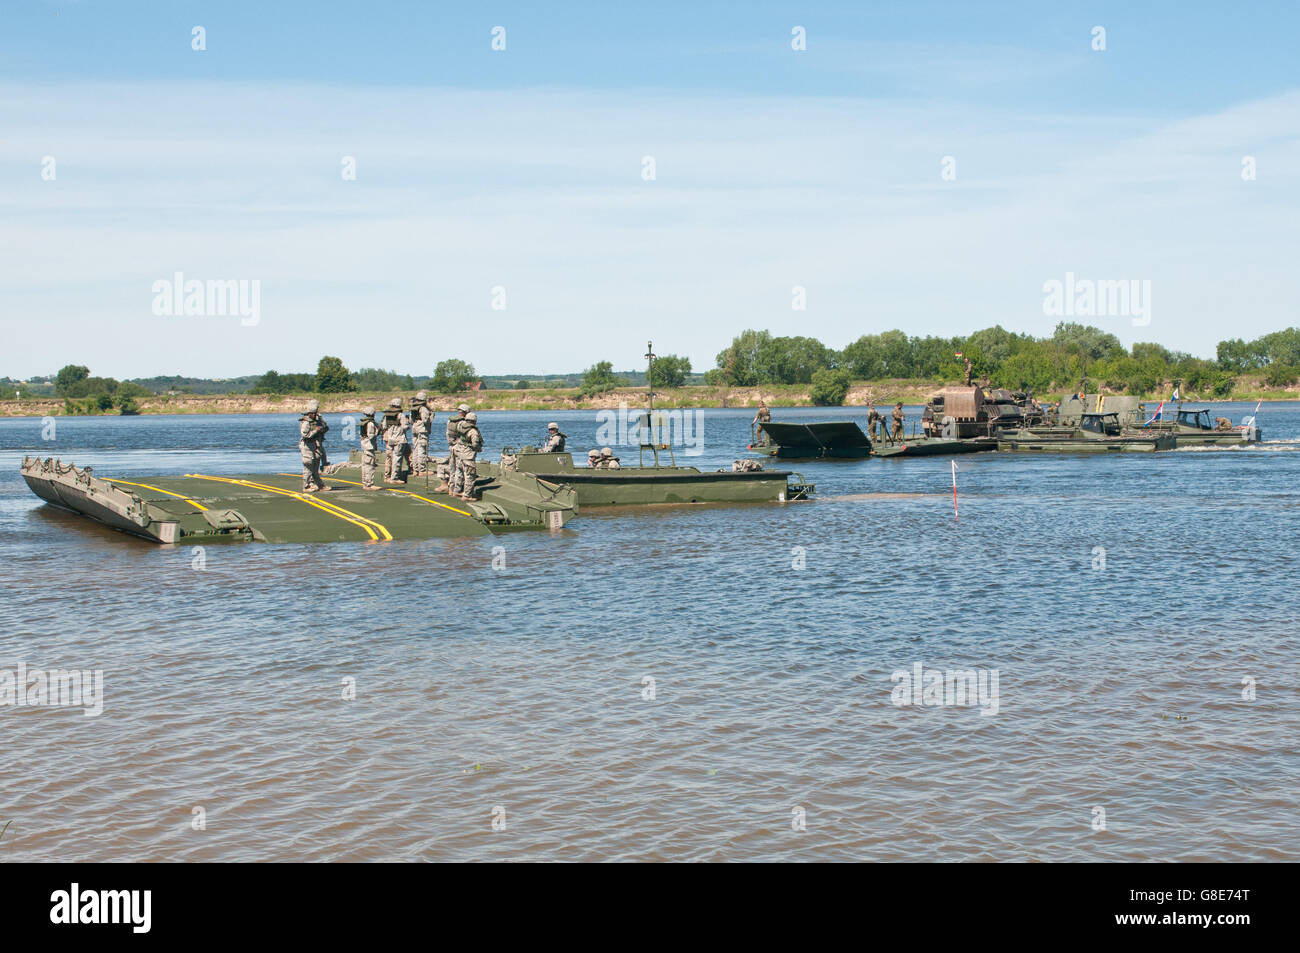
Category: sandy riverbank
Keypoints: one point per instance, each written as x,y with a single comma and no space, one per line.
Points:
910,392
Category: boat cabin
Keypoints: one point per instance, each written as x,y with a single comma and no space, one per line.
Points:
1196,419
1107,425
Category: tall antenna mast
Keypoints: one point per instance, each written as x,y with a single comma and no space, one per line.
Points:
649,372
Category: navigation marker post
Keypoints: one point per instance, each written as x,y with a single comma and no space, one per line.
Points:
954,489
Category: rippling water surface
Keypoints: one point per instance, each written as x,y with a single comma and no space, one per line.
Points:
518,696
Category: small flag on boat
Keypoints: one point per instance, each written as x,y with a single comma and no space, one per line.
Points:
1176,397
1159,414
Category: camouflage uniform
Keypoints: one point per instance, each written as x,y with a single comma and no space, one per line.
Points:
764,416
311,443
898,423
466,456
607,459
873,418
593,459
394,441
421,427
447,466
369,448
555,439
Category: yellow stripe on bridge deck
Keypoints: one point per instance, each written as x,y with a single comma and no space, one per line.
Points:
333,509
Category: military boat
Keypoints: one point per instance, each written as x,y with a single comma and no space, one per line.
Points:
821,440
1096,433
921,446
202,508
1193,428
652,480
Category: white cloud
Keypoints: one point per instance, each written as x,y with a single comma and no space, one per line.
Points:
540,191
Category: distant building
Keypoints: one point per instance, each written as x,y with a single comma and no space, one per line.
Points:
473,385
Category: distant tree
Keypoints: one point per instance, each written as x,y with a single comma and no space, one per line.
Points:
670,371
864,358
92,387
598,379
332,377
452,375
127,390
792,360
739,363
1224,384
830,387
1281,375
374,378
1086,340
521,384
69,375
1281,347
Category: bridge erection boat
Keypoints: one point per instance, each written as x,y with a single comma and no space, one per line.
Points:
202,508
652,482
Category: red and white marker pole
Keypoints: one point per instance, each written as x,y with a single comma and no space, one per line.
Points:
954,489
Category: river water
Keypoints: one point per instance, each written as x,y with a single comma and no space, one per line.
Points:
687,683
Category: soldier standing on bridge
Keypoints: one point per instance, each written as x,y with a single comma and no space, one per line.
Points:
466,456
311,442
421,427
873,418
897,435
447,470
394,440
764,416
369,448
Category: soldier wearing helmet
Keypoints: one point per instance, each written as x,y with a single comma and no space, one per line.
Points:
608,460
468,445
447,469
554,439
897,435
311,443
873,418
394,441
421,427
369,431
593,458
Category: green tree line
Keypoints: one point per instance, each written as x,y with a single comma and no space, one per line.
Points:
1074,354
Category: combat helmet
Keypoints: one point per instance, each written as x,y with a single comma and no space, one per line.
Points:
422,395
313,406
395,402
472,417
368,411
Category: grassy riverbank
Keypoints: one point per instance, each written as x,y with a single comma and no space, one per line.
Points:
882,392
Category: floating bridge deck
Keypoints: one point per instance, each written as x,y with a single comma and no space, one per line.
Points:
273,508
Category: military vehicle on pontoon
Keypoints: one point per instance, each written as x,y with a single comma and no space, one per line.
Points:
656,478
964,418
1095,433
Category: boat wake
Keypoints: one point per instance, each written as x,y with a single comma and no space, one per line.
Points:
1274,446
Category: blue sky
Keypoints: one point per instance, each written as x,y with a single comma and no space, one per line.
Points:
522,169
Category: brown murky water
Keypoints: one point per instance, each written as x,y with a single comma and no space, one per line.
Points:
684,683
